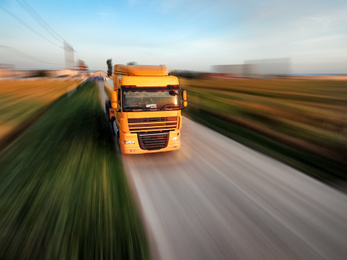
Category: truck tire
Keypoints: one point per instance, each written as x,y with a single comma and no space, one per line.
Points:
114,127
107,109
118,141
115,132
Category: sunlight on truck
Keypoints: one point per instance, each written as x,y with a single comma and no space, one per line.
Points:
145,109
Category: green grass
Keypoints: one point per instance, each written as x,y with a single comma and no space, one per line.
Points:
23,101
325,170
63,192
300,123
10,110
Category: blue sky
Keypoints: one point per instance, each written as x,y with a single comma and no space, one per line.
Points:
181,34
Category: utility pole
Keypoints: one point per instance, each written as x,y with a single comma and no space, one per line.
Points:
69,56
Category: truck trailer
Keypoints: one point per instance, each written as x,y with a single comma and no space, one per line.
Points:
145,109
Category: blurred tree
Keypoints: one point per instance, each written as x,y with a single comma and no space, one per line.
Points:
41,73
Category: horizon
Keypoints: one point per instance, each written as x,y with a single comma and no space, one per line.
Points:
194,71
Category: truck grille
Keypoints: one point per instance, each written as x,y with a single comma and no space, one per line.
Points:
152,124
153,141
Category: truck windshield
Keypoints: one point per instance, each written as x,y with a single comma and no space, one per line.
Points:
150,100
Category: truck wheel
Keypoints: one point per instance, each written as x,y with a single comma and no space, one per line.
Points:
114,127
107,108
115,132
118,141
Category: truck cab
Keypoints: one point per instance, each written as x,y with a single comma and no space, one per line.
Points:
145,109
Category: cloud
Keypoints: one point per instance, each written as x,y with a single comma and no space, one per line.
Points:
324,39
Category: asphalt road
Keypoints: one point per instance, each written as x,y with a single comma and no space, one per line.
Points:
217,199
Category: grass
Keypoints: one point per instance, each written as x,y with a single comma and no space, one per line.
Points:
300,122
63,192
22,100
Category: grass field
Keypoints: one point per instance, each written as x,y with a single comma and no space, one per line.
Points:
22,100
63,192
301,122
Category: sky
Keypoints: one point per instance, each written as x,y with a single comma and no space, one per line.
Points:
182,34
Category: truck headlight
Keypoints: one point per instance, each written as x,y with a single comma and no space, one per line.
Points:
175,139
129,142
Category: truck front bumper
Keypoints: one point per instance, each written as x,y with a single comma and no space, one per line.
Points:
129,143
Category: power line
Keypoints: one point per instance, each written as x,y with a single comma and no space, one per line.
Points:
30,10
40,20
24,55
23,23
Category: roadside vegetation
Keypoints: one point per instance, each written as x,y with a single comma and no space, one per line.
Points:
22,101
63,191
300,122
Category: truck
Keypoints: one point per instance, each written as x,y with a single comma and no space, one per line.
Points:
145,108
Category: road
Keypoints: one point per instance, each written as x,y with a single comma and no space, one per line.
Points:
217,199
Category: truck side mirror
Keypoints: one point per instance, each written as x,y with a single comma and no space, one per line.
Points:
184,97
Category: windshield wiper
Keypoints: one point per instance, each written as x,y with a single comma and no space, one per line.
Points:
168,105
135,107
138,107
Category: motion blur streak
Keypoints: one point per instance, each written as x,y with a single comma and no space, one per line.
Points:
216,199
63,192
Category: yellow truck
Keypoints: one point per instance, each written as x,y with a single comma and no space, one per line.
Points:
145,109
